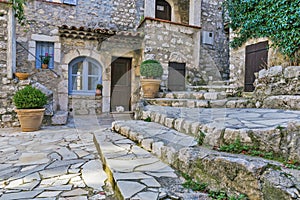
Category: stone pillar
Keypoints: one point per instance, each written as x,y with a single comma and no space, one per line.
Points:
11,43
195,13
150,8
195,20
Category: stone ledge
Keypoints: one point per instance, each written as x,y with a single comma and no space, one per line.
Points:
255,177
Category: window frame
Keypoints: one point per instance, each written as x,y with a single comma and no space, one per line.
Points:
40,45
85,75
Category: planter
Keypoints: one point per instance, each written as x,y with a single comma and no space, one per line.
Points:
44,66
22,75
30,119
98,92
150,87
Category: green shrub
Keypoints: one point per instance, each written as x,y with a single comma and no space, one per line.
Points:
151,69
29,97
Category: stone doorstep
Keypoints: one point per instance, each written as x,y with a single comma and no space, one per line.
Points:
137,174
256,177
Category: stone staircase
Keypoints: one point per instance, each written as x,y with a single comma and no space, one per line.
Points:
256,177
181,132
216,95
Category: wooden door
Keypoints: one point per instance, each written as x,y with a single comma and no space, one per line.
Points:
163,10
176,78
256,58
120,84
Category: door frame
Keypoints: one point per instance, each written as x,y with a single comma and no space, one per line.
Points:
129,60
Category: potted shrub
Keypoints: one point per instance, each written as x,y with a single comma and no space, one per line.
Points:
45,60
150,70
99,89
30,103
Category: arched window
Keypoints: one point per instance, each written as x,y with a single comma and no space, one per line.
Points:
163,10
84,74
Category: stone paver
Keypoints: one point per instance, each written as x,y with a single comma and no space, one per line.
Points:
235,118
56,162
136,172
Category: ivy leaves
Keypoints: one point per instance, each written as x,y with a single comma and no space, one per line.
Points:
18,6
278,20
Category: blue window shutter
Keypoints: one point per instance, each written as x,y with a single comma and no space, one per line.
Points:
38,63
71,2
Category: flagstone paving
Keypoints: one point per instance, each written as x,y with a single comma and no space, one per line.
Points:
235,118
62,162
52,163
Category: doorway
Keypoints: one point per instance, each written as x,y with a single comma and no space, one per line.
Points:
176,78
120,84
256,59
163,10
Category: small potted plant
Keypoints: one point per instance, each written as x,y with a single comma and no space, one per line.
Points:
45,60
151,71
99,89
30,103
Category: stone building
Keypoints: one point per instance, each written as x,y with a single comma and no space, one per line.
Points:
104,42
253,56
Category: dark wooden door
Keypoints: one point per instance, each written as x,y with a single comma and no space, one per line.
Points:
176,79
256,58
163,10
120,84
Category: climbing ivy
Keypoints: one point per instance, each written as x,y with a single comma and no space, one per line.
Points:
278,20
18,6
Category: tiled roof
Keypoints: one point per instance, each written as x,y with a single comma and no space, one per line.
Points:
92,34
84,33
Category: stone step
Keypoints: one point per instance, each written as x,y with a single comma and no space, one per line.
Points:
137,174
203,95
60,118
282,101
269,129
192,103
211,88
256,177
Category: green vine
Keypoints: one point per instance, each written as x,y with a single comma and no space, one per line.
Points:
278,20
18,6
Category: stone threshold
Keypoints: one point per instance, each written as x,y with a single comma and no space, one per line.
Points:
256,177
134,173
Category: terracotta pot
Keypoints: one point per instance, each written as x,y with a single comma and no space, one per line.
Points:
98,92
22,75
30,119
44,66
150,87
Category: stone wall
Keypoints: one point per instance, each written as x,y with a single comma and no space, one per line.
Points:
85,105
278,87
7,87
214,60
168,42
